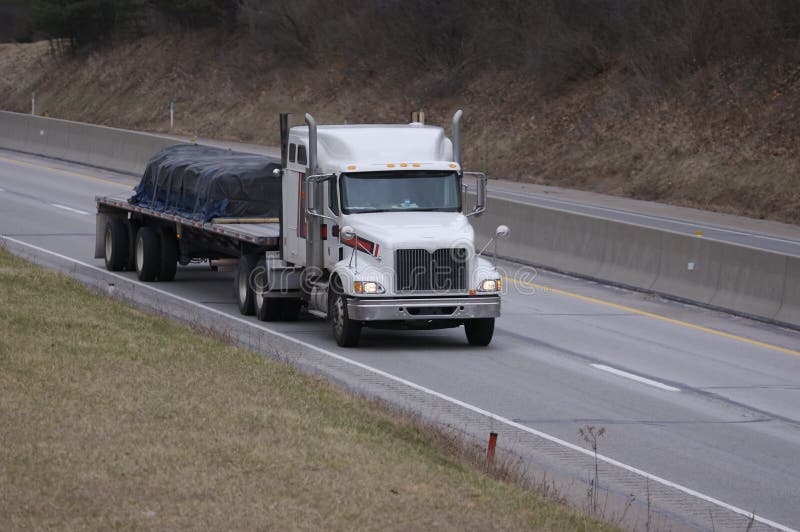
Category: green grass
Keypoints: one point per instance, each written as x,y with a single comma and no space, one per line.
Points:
115,418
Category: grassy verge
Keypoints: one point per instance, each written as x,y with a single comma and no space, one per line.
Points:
113,417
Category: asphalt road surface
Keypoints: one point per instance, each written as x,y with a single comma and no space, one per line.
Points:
702,399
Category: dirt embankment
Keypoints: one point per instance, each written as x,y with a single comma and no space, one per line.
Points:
724,138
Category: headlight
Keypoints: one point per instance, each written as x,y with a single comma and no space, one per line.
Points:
367,287
490,285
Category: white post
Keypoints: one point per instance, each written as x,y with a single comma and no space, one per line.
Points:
171,115
33,103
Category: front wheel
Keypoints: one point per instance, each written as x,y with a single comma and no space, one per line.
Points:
346,331
479,331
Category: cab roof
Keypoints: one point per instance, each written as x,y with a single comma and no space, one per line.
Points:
371,147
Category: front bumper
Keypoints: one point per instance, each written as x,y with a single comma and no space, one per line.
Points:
432,308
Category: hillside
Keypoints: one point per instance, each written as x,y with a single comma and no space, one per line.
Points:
723,137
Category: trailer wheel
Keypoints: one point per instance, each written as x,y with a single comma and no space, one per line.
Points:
267,308
116,244
244,289
346,331
132,227
148,251
479,331
169,255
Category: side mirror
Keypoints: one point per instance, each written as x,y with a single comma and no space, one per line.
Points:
480,200
502,232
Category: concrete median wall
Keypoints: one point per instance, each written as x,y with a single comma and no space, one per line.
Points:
99,146
747,281
744,280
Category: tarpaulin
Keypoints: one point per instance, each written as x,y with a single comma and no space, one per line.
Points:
202,182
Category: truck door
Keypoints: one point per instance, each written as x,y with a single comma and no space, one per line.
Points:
333,250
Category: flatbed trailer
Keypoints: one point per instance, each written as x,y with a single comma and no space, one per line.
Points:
222,238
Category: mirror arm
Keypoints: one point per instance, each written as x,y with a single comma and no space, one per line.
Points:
314,179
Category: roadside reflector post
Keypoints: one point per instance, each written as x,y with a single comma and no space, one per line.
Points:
171,114
33,103
490,449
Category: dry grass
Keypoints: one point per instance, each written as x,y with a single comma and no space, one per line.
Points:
116,418
724,138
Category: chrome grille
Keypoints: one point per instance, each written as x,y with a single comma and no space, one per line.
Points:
419,270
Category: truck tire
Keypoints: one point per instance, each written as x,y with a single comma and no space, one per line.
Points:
346,332
243,288
116,244
169,255
132,227
479,331
148,254
267,308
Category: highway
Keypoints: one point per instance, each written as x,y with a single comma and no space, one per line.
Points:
692,397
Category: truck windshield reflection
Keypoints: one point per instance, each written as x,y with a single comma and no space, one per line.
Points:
400,191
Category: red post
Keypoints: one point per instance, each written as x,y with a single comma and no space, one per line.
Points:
492,445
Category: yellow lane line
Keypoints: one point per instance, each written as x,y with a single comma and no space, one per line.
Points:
655,316
67,172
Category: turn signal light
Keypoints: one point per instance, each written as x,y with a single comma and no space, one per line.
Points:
367,287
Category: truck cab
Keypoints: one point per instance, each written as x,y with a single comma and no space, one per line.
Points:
375,231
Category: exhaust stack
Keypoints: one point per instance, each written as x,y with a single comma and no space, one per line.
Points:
457,136
285,123
314,251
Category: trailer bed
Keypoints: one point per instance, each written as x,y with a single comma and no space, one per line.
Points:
264,235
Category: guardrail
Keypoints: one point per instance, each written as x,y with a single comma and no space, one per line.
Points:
739,279
747,281
99,146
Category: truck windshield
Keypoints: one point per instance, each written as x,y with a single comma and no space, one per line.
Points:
401,191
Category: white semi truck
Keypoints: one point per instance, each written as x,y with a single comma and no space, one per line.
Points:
373,232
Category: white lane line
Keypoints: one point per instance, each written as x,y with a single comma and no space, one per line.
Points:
70,209
452,400
637,378
533,196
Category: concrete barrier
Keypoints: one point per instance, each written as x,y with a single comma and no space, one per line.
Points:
688,269
750,280
790,305
744,280
15,131
632,255
99,146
